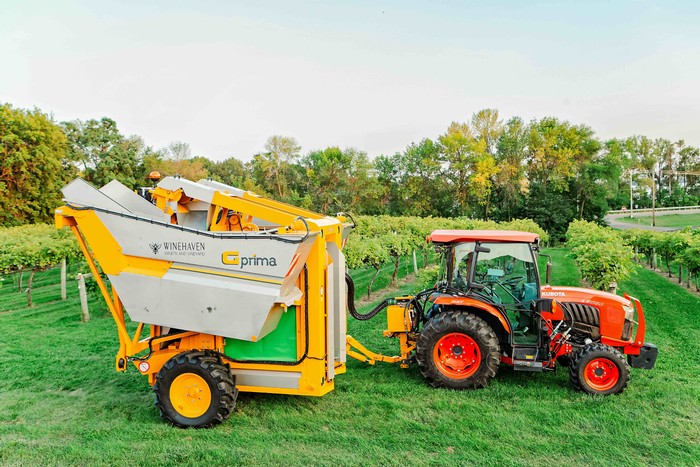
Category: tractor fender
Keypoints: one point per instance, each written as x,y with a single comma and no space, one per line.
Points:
492,314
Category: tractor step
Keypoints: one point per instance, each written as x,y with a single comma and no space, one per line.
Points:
527,365
528,358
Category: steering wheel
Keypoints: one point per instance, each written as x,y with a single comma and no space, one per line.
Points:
459,281
512,281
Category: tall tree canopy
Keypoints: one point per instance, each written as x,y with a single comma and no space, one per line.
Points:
33,167
103,153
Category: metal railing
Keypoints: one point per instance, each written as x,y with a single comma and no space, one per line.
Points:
649,210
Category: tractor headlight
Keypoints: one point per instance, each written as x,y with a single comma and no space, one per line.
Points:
629,312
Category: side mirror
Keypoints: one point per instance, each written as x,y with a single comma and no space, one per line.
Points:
474,285
482,249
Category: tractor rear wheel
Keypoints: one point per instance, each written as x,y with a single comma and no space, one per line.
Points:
458,350
599,369
195,389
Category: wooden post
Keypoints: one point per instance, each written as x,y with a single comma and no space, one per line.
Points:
680,274
653,259
83,297
653,202
63,279
29,288
415,263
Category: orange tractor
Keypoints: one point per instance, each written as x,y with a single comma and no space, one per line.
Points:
489,308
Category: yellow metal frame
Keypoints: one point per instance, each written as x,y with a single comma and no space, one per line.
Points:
399,326
150,353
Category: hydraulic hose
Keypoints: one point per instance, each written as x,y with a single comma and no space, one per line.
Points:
351,302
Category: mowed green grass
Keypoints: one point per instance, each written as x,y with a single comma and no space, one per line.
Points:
667,220
62,403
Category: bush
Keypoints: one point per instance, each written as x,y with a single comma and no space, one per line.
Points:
601,253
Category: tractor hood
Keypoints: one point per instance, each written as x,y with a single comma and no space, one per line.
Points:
580,295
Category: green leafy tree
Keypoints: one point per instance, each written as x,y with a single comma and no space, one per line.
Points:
33,167
488,128
230,171
104,154
556,149
176,160
273,167
461,149
339,180
511,152
420,180
388,169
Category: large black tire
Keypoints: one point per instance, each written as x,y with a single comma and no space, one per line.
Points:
564,360
196,366
599,369
458,350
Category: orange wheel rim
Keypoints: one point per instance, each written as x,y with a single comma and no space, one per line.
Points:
190,395
457,355
601,374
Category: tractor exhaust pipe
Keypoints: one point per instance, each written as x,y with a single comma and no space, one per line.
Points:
548,273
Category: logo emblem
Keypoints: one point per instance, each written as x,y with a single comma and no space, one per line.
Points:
144,367
155,247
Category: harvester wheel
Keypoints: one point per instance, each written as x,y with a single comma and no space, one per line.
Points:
458,350
195,389
599,369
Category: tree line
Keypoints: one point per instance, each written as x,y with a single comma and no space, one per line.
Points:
548,170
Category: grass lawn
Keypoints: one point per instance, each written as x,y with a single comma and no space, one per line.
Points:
667,220
62,403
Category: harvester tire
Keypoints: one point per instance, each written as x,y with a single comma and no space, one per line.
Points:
195,390
458,350
599,369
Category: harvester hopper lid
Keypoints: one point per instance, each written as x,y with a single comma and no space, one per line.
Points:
496,236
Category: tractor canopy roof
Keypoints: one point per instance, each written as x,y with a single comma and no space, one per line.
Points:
494,236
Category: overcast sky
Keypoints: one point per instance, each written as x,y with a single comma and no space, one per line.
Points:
223,76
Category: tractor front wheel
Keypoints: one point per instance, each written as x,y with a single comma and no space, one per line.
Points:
599,369
458,350
195,389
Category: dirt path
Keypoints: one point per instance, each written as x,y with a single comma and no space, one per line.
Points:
381,293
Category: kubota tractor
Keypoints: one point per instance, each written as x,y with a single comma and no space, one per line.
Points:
490,308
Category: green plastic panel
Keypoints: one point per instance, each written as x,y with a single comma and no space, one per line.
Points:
280,345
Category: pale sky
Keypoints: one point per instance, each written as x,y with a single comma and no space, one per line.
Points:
223,76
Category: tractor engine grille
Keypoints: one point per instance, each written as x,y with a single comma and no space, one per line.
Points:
586,319
627,330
